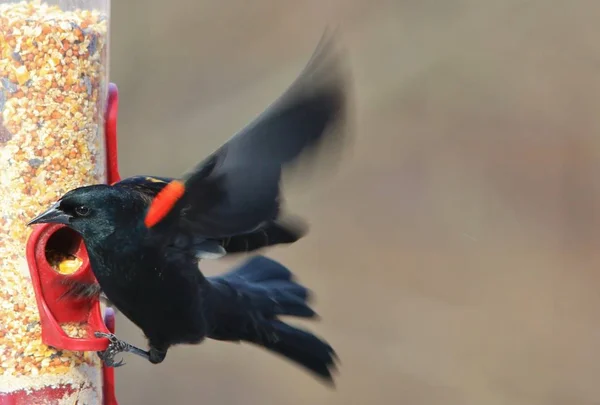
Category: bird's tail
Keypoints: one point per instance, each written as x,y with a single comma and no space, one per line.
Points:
266,290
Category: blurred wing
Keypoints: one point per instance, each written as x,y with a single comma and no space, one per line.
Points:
236,189
271,233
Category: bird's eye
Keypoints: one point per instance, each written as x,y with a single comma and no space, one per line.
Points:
82,211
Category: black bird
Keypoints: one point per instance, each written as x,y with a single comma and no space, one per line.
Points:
145,235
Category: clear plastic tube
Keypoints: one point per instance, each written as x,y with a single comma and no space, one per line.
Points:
53,90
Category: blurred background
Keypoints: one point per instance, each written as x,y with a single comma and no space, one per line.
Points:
454,253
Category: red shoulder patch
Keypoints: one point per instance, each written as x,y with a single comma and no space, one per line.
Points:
164,202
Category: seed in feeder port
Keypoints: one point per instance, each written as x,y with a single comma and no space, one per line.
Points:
69,266
63,263
74,330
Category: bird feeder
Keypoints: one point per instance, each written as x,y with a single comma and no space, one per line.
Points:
57,132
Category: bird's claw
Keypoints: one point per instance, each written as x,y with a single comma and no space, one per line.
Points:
108,359
116,346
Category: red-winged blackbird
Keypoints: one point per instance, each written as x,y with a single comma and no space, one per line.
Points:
145,235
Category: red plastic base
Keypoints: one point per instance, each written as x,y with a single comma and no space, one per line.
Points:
48,287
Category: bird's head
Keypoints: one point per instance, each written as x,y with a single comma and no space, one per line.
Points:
92,211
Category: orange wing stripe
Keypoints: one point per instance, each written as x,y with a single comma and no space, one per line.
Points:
164,202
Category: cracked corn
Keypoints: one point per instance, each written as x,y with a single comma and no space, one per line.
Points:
63,263
52,96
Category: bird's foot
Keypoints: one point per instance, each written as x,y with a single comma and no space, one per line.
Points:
118,346
115,347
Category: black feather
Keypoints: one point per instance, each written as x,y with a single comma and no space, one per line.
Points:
252,296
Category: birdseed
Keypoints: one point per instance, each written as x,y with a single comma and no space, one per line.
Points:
62,262
53,88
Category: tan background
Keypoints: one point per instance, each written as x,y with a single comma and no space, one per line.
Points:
454,255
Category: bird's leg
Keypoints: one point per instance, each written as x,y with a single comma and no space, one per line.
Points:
118,346
157,354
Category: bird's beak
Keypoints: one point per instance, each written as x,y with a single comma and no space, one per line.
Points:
52,215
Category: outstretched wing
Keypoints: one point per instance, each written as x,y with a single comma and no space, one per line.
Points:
237,188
